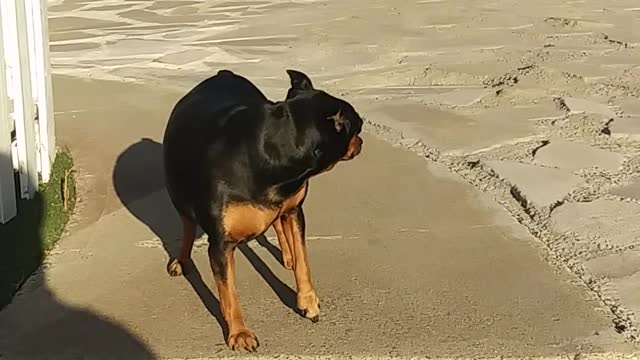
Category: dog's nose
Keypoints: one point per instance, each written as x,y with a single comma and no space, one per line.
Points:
355,146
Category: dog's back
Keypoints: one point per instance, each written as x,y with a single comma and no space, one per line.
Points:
199,123
220,91
206,108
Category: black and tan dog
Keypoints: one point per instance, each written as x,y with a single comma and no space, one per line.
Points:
237,163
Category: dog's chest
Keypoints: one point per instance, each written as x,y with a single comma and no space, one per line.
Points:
242,221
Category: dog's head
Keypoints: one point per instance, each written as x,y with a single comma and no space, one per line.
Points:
330,126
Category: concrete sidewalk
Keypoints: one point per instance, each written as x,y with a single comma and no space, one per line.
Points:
408,261
488,122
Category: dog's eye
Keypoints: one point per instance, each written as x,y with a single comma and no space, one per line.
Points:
317,152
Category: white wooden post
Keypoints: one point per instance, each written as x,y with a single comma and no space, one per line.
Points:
17,55
8,208
41,84
33,72
25,77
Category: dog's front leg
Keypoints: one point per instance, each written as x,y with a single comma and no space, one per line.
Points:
286,243
221,256
307,298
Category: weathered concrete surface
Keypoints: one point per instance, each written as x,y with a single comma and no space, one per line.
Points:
449,131
612,221
542,186
588,106
574,156
433,268
412,262
615,266
630,190
627,127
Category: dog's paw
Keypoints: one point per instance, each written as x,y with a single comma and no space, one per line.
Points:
244,339
309,304
175,268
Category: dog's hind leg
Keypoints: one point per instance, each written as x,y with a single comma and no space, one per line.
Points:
221,256
286,243
307,298
177,266
224,271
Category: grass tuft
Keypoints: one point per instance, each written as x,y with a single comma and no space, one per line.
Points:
27,238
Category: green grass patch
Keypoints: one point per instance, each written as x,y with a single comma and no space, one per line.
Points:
26,239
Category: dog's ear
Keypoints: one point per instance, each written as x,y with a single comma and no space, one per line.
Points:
300,82
338,121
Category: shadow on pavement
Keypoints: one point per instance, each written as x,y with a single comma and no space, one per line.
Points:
39,326
282,290
138,173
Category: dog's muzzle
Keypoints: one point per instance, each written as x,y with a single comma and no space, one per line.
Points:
355,146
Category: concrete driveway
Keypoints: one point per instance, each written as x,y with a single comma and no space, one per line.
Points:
419,248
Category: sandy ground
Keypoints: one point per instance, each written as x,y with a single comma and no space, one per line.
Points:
492,213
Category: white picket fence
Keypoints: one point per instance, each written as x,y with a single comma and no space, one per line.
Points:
27,127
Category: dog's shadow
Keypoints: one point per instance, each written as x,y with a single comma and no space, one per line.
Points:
138,180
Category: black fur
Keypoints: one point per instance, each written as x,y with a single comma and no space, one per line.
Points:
226,142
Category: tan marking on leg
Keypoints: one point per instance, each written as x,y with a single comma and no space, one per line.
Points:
176,266
287,259
240,337
285,237
307,298
287,230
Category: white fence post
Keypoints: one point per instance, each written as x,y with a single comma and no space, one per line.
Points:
41,84
25,77
8,208
17,56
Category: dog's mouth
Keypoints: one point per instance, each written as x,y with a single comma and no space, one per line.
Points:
354,149
355,146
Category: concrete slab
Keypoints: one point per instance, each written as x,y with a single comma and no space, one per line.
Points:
573,156
631,107
612,266
542,186
608,222
628,290
626,127
449,131
84,120
401,277
380,53
630,190
577,105
183,57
